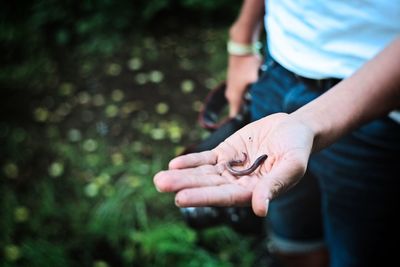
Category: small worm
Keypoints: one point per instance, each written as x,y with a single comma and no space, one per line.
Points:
247,171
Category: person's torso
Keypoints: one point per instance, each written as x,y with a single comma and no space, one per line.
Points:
329,38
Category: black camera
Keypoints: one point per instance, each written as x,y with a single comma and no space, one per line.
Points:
241,219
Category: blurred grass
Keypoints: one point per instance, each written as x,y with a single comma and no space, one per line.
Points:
85,123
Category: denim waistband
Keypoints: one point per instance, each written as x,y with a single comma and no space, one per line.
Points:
318,84
315,84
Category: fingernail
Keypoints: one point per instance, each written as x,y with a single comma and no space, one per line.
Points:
177,203
155,182
266,206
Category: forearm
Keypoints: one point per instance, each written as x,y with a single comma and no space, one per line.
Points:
248,25
372,91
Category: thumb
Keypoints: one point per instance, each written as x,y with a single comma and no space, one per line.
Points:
235,99
282,177
234,108
234,94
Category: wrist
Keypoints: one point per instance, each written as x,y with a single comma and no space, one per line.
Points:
315,124
242,49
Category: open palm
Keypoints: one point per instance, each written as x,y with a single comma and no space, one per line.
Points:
202,179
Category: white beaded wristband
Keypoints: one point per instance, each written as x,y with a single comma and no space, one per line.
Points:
238,49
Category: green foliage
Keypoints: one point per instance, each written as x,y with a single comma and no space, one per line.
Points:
29,29
87,118
227,5
40,253
165,244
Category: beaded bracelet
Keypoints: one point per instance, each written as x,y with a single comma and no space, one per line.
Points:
238,49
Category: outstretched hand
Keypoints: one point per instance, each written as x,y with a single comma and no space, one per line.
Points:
202,179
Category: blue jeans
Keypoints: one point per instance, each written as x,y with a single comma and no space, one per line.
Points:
349,197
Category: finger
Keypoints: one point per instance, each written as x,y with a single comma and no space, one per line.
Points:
224,195
235,100
281,177
193,160
234,107
175,180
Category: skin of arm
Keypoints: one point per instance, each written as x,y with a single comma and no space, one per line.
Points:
202,179
371,92
248,25
243,70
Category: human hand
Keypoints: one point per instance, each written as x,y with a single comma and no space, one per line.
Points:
202,179
242,71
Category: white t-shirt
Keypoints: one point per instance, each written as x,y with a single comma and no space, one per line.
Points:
329,38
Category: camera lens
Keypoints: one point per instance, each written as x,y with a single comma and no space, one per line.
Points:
203,217
243,220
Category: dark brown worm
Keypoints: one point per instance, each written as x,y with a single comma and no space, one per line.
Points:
247,171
